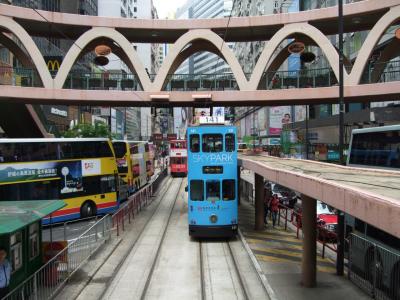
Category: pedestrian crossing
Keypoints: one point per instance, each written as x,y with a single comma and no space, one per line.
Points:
275,245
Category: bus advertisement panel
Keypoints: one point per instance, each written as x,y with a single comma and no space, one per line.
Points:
82,172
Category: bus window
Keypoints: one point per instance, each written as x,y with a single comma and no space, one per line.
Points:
196,190
135,149
119,149
213,190
107,184
229,142
378,149
212,142
194,143
228,189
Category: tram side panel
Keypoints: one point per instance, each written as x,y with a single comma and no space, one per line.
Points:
212,177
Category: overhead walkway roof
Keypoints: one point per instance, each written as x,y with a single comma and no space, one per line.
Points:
368,194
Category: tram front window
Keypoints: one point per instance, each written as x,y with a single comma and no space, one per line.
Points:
212,142
212,190
228,189
194,143
229,142
196,190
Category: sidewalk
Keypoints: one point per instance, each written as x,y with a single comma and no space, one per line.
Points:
279,254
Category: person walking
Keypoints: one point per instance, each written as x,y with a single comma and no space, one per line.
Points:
274,207
267,198
5,273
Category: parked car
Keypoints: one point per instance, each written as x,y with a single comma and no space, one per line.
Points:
286,196
326,220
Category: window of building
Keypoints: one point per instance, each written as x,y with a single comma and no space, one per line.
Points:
213,190
134,9
16,251
228,189
212,142
229,142
33,240
196,190
194,143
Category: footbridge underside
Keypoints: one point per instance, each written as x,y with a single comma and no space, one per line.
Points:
370,195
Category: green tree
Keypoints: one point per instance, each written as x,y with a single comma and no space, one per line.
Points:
99,129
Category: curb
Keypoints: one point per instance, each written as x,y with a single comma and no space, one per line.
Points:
257,266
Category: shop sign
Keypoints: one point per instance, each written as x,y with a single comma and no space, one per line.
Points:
312,136
171,136
157,137
58,112
333,155
273,141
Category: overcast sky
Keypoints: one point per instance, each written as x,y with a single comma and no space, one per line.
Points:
164,7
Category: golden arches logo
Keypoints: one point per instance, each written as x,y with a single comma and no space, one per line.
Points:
53,65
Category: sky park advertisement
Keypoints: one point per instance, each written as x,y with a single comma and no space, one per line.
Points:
70,173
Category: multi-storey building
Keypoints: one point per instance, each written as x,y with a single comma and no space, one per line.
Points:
322,122
58,117
138,120
204,62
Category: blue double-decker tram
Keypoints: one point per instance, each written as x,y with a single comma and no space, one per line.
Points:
212,180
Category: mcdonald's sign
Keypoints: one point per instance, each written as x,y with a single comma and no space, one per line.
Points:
53,62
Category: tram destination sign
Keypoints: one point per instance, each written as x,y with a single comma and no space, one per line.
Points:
211,120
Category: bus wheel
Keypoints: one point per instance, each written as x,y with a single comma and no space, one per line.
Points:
395,282
88,209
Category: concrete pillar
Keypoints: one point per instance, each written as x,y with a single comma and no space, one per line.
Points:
309,223
259,202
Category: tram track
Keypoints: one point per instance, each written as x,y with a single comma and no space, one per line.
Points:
234,284
141,247
145,289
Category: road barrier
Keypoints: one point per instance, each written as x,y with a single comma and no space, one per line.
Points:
374,268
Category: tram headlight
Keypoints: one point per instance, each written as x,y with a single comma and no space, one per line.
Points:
213,218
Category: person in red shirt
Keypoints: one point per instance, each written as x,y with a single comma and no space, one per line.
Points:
274,207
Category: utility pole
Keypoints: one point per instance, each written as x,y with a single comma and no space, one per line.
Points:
340,228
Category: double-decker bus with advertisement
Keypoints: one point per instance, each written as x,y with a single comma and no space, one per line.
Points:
212,179
80,171
375,254
178,157
149,156
131,162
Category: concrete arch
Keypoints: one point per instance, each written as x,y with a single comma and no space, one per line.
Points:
85,39
30,46
13,47
391,51
306,29
197,46
190,37
372,39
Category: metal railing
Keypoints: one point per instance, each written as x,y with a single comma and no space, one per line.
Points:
134,205
374,268
304,78
46,282
51,277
